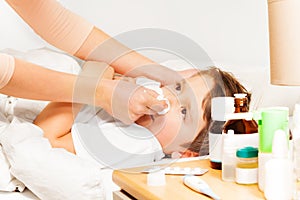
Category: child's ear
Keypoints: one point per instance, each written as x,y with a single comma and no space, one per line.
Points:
188,73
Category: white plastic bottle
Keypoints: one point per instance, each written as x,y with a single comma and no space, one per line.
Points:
220,107
279,177
228,156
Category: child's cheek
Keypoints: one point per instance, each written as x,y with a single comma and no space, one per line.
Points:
172,128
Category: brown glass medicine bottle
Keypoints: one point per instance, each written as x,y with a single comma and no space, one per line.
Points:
241,121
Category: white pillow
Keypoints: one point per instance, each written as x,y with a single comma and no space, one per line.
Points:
50,173
7,181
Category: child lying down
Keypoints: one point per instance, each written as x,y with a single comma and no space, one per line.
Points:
94,134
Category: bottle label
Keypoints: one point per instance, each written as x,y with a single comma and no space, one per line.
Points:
246,175
243,140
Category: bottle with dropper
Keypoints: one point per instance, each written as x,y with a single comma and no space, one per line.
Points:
279,178
241,121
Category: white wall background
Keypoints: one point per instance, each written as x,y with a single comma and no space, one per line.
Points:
231,31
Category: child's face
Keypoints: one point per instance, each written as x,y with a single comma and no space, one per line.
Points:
185,119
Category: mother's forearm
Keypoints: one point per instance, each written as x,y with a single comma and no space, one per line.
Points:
101,47
35,82
31,81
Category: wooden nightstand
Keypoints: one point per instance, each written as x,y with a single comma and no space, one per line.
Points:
135,184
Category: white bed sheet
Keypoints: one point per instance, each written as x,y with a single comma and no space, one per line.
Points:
28,109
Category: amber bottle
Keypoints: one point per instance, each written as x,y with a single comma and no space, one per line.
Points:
241,121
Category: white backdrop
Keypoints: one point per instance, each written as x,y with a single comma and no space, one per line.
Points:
234,33
231,31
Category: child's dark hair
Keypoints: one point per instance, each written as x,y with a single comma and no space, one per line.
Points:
224,84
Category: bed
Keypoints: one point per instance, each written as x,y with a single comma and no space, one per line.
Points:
25,111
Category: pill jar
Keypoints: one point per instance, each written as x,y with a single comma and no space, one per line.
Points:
246,165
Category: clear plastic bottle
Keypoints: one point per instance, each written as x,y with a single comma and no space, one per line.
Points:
228,157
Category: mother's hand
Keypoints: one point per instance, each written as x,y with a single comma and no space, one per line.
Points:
157,72
127,101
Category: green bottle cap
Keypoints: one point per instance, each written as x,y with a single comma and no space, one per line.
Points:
247,152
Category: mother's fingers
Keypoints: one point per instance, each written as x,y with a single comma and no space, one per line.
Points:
130,102
151,102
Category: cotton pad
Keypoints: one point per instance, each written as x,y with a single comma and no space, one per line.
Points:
155,86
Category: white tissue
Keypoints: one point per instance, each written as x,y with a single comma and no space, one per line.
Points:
164,111
155,86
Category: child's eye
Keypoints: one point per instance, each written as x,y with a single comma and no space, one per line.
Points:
178,87
183,112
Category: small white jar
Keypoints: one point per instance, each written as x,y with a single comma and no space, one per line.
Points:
246,165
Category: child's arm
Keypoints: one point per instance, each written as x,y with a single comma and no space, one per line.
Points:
56,121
